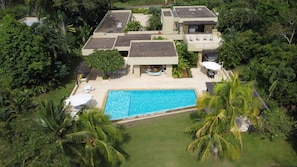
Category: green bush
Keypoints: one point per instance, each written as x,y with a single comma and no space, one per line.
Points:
17,11
140,10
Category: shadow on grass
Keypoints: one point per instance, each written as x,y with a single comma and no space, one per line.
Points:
197,116
292,139
75,61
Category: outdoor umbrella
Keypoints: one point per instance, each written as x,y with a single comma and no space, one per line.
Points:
78,99
211,65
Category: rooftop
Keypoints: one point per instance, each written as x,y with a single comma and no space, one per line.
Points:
154,48
126,39
167,13
193,11
114,22
100,43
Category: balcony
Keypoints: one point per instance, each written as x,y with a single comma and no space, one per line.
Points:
198,42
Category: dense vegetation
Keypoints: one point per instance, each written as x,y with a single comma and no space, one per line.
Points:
106,60
259,43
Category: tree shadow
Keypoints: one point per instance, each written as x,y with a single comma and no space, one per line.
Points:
293,135
197,116
292,139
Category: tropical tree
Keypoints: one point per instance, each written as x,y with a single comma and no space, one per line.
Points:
100,144
238,47
105,60
25,58
186,59
133,26
232,99
209,138
154,22
25,143
279,75
178,70
14,104
278,123
54,118
89,140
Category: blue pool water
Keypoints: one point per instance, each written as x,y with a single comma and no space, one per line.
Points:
128,103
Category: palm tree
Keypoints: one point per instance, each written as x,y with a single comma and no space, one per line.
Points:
89,140
210,137
14,104
100,143
219,130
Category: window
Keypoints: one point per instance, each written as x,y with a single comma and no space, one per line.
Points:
196,28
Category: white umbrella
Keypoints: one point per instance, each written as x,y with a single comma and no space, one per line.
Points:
78,99
211,65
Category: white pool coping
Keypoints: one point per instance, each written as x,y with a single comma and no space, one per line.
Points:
129,81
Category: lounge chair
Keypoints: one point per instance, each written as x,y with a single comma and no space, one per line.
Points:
154,73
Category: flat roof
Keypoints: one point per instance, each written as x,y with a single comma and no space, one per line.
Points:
154,48
126,39
114,22
167,13
100,43
200,23
193,11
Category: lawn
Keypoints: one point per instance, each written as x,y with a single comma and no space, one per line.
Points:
161,142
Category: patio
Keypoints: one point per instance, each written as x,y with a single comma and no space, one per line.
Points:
129,81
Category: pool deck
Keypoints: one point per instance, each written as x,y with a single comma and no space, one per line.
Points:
129,81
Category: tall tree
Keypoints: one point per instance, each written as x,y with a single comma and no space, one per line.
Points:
106,60
30,60
89,140
30,146
101,144
232,99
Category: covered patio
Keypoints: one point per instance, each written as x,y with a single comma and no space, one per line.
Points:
155,53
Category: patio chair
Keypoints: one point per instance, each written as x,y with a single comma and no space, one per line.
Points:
211,37
88,89
197,38
210,73
190,38
205,37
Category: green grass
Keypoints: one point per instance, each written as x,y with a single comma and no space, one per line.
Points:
161,142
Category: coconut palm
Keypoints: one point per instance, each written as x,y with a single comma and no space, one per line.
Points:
89,140
219,130
210,138
54,117
14,104
100,143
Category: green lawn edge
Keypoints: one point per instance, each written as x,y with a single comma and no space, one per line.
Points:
161,142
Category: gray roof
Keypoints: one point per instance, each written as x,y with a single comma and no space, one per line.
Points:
193,12
167,13
100,43
114,22
126,39
153,48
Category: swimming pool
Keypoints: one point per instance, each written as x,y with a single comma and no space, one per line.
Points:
122,104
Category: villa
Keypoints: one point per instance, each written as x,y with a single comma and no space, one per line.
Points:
144,53
195,25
